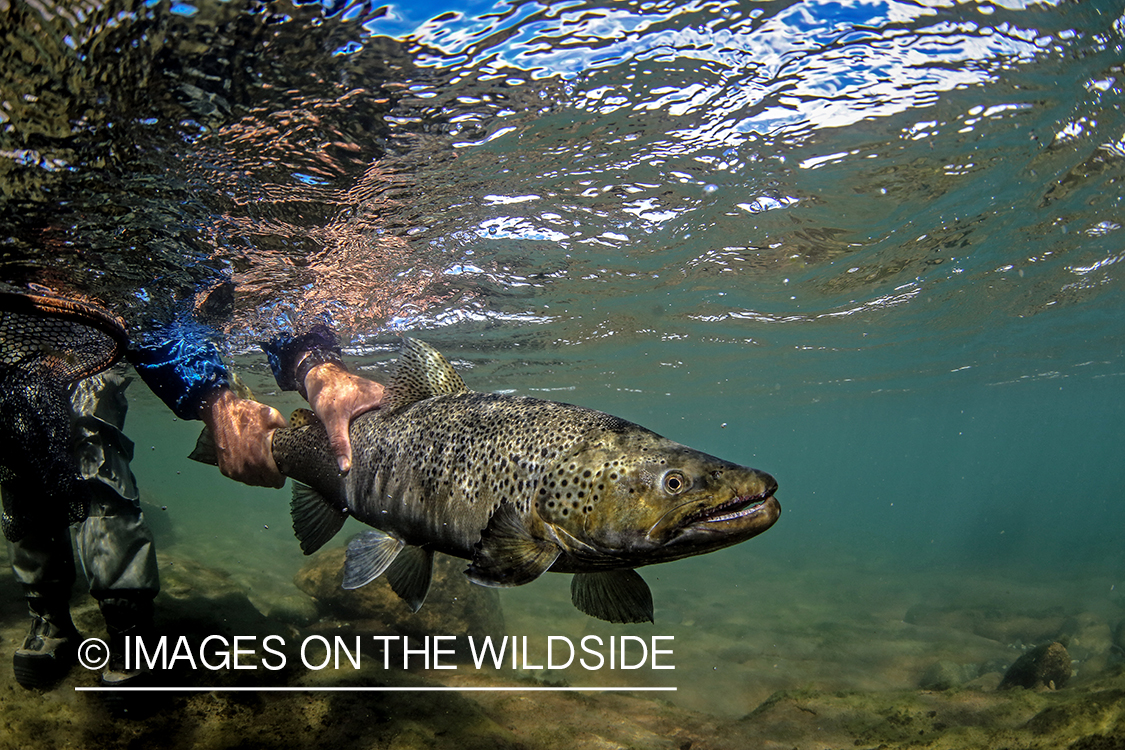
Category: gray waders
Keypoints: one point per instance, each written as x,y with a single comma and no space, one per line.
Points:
115,547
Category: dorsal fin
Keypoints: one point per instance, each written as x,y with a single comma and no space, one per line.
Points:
421,373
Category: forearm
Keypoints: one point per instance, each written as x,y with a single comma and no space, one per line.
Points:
183,373
189,376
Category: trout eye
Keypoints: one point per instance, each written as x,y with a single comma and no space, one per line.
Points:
675,482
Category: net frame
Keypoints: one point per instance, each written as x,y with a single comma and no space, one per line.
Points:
69,338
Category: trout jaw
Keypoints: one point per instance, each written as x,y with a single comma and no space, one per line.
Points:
740,507
736,517
679,534
725,508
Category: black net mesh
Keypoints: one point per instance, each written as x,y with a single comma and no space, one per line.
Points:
42,489
70,340
46,343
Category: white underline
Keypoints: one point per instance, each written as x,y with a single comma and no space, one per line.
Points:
361,689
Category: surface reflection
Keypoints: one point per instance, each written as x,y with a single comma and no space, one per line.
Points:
507,169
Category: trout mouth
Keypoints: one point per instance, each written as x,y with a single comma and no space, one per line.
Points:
740,506
718,526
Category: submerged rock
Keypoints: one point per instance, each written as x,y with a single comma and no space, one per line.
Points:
1047,665
199,600
1089,640
993,623
945,674
1119,637
453,606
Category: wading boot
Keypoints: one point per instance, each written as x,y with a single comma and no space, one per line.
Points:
126,618
51,646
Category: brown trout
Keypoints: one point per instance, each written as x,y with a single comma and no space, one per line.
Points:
518,486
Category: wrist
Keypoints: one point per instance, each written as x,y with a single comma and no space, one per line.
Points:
218,399
291,358
312,369
319,376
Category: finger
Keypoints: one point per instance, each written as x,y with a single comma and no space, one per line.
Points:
277,481
342,447
273,420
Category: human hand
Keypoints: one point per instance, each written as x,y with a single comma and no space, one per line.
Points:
243,433
337,396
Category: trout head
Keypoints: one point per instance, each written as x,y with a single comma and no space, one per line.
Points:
631,497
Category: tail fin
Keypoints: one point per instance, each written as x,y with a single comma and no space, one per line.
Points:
205,451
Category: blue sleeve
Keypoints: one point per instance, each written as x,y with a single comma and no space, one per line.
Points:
181,372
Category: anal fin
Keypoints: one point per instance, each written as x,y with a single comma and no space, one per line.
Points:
410,575
369,555
613,595
507,554
315,521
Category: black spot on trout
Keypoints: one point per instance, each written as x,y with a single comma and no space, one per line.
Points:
518,486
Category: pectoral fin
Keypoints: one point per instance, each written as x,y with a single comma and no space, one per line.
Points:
369,554
507,554
614,596
315,521
410,575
